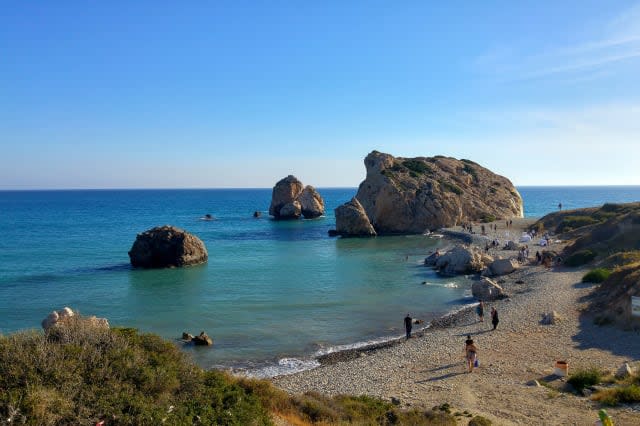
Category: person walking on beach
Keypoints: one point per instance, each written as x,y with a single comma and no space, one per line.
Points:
494,317
480,310
408,323
470,353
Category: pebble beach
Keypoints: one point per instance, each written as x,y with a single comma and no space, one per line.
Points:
429,369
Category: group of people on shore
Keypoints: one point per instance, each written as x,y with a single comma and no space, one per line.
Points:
494,314
470,348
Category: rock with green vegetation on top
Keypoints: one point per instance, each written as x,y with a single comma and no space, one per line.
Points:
414,195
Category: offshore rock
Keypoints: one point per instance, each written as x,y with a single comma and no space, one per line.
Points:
414,195
167,247
311,203
352,220
291,199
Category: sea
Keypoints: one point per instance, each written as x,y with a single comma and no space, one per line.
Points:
274,295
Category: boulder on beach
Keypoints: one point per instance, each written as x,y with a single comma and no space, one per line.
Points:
414,195
501,267
486,289
290,199
352,220
167,247
462,259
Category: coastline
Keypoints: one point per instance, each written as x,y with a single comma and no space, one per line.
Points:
428,370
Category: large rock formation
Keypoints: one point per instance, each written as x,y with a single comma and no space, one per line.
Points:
291,198
413,195
167,247
311,203
351,219
462,260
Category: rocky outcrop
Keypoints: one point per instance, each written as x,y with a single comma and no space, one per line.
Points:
462,259
291,199
501,267
66,315
202,340
414,195
352,220
487,289
167,247
311,203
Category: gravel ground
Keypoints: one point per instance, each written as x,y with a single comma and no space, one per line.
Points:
429,370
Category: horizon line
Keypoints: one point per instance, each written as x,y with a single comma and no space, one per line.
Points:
265,187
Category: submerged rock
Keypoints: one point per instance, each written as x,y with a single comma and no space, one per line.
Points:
414,195
166,247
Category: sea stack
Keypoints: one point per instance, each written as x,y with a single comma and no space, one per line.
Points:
414,195
291,199
167,247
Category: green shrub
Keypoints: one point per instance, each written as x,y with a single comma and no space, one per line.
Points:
487,218
622,395
471,170
596,275
417,166
580,258
585,378
448,186
479,421
574,222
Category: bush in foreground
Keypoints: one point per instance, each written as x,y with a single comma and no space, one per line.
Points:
621,395
596,275
585,378
81,374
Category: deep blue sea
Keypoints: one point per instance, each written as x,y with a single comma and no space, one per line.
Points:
273,294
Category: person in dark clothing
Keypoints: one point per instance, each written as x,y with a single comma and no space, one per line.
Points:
408,323
480,311
494,317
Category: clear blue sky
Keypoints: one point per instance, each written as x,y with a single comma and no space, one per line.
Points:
165,94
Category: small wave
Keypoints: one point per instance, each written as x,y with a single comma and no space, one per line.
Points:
446,285
285,366
357,345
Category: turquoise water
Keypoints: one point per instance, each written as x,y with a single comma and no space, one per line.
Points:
272,295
